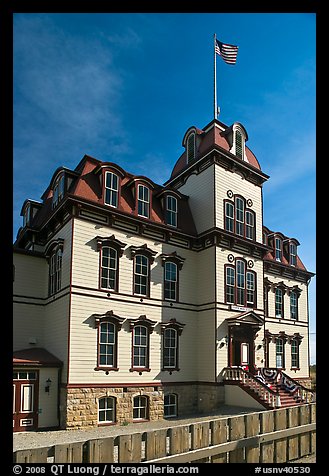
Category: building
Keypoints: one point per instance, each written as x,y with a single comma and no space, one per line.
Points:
134,300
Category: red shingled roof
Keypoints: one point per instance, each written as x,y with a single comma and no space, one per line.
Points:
36,356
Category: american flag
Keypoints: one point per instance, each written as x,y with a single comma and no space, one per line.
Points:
227,52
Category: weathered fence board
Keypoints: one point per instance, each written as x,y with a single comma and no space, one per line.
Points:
101,451
219,434
252,425
130,448
305,440
200,438
237,430
280,446
267,425
69,453
293,441
179,440
272,436
35,455
156,444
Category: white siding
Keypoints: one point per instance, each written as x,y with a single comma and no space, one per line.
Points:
200,189
31,275
226,180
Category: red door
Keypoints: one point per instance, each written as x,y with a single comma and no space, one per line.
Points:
25,400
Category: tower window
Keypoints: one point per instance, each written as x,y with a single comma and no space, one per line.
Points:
238,144
190,147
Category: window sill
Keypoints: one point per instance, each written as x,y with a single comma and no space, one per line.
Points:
112,423
139,369
170,370
107,369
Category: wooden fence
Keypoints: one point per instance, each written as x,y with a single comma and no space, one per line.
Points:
274,436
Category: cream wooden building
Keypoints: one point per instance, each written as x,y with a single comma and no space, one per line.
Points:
134,300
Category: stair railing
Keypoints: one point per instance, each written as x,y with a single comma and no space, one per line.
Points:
237,374
302,393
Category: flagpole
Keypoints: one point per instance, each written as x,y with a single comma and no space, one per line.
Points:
215,80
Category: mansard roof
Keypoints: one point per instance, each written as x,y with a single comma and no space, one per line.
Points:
215,134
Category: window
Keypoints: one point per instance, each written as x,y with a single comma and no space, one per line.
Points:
106,410
109,267
279,353
293,305
58,191
27,215
295,353
251,288
238,144
140,408
170,347
170,405
190,147
140,347
111,189
170,281
107,348
240,278
278,302
143,201
239,211
55,271
239,219
229,216
230,285
250,225
240,284
171,210
141,275
278,250
293,254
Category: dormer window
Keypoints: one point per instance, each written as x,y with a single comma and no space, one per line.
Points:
190,150
111,197
278,249
238,138
238,144
143,201
292,254
171,210
58,191
27,215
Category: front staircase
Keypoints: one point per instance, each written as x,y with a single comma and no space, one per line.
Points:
272,388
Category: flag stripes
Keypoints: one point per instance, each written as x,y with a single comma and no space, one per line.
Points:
228,52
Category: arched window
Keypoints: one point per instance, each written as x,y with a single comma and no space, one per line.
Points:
280,353
171,210
294,353
170,405
278,302
58,190
109,268
238,144
140,347
106,410
55,271
191,147
107,347
111,197
170,281
278,249
141,275
170,348
240,284
143,201
239,219
140,408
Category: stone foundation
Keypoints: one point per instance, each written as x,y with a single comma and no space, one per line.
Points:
79,406
81,409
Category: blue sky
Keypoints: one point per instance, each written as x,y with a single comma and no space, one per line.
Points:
125,88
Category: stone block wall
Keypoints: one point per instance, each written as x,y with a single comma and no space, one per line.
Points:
81,409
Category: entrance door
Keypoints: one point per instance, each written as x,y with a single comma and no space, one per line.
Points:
25,400
240,353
